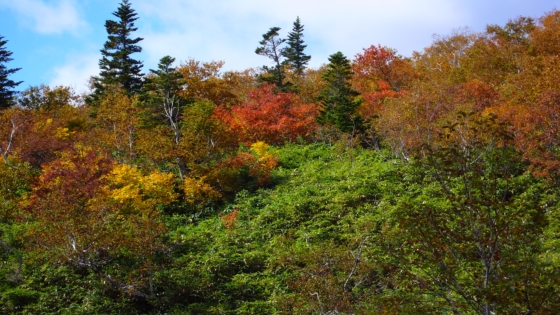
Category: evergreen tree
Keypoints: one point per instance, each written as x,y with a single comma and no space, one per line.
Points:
163,101
6,85
338,99
270,47
117,67
295,57
161,94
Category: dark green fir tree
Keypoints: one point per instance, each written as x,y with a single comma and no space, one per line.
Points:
295,58
117,66
161,97
163,103
270,46
338,99
6,85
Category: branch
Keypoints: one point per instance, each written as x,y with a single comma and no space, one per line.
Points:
356,263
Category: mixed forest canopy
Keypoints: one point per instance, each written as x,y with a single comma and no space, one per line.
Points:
375,184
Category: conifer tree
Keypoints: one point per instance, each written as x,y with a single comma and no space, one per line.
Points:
338,98
117,67
6,85
163,101
270,47
295,57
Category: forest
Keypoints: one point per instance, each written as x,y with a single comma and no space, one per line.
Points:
374,184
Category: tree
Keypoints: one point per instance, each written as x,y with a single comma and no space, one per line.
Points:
117,116
380,75
6,85
271,117
471,229
338,98
117,67
270,47
165,101
205,82
47,99
295,57
88,211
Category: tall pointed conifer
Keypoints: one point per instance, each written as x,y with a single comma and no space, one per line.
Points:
338,99
117,66
295,57
6,85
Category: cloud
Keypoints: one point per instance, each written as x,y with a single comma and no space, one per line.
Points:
76,72
47,18
230,30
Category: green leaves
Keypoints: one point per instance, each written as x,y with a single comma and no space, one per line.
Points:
338,98
117,66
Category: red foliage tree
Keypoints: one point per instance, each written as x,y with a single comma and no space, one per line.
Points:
270,117
379,74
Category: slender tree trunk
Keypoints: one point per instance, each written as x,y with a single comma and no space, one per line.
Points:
182,168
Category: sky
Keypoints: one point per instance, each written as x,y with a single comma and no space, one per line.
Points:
57,42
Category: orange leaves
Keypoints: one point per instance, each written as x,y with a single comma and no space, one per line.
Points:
380,67
229,219
206,83
86,208
118,122
546,36
537,131
479,94
271,117
71,222
379,75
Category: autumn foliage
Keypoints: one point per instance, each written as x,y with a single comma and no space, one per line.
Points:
380,74
269,116
431,187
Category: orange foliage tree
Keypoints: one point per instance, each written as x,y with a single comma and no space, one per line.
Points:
37,137
85,210
117,122
270,117
379,74
531,101
205,82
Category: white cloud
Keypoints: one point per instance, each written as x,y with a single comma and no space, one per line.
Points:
76,72
230,30
47,18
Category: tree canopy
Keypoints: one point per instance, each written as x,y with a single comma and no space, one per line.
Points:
382,184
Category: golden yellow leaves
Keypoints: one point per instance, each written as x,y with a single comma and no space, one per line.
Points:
138,193
261,150
198,191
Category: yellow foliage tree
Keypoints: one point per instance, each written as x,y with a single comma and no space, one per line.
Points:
137,193
85,210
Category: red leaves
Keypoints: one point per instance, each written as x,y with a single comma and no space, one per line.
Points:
71,221
537,131
270,117
477,93
379,75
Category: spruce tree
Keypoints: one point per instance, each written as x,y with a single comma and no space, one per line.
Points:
117,67
338,99
295,57
271,48
6,85
163,101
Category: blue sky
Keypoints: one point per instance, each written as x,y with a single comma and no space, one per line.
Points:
57,42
